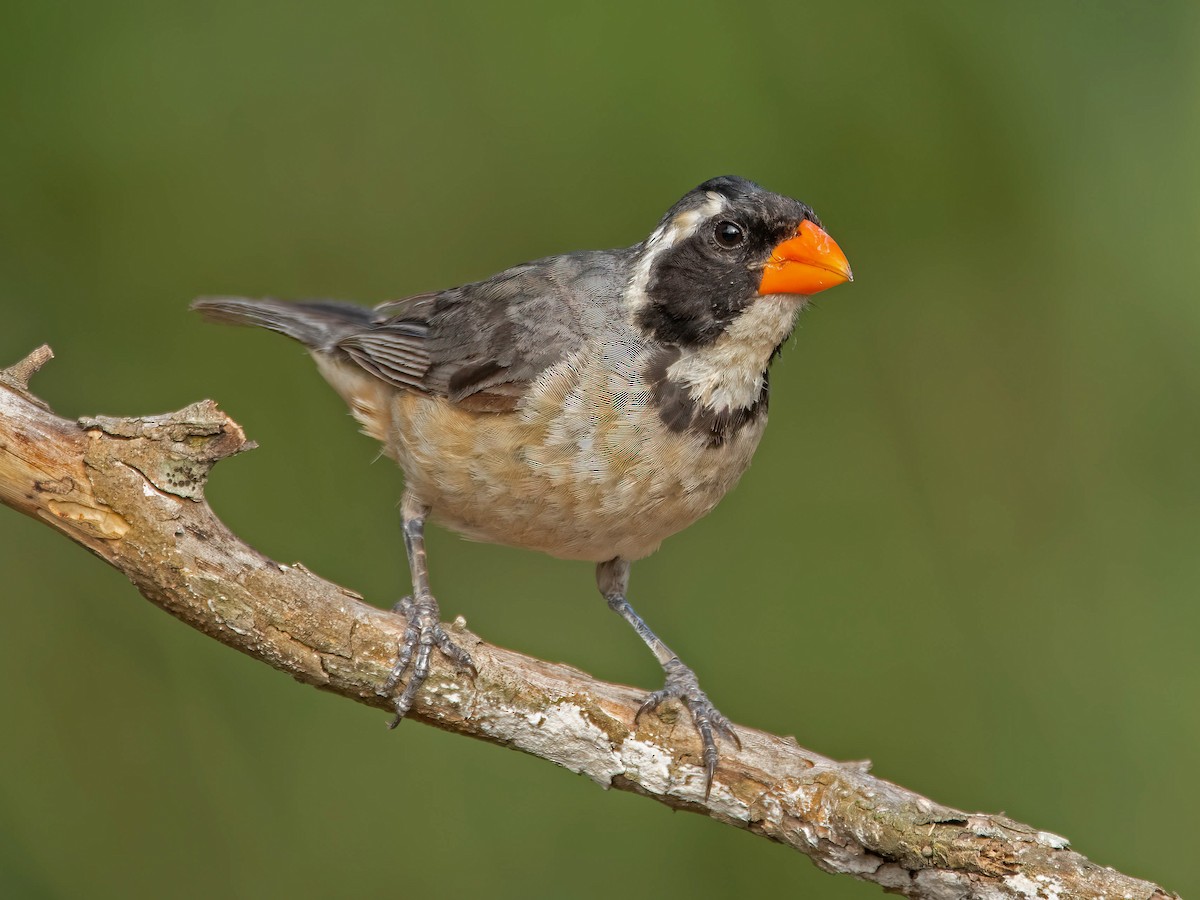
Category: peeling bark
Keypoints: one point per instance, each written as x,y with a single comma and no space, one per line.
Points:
131,491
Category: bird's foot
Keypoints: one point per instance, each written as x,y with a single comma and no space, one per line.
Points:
682,686
422,633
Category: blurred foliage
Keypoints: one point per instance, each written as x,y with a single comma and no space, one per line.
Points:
968,545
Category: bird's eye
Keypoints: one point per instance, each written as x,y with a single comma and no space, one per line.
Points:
729,235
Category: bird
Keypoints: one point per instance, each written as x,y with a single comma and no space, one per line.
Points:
586,405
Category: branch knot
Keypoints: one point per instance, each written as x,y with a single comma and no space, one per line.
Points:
174,451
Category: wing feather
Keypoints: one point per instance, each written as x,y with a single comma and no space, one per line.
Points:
483,344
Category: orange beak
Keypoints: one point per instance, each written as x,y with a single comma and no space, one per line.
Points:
805,264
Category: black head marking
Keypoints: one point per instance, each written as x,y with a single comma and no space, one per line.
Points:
700,284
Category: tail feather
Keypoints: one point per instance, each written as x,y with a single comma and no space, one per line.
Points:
318,324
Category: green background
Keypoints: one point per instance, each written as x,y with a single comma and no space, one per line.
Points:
967,548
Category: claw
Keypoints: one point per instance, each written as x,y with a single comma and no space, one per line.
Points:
682,686
422,633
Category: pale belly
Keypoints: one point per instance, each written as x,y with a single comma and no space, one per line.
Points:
583,469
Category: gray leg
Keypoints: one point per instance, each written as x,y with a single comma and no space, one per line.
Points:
612,578
424,629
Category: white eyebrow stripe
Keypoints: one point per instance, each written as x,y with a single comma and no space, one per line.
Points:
678,228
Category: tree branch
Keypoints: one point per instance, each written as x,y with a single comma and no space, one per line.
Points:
131,491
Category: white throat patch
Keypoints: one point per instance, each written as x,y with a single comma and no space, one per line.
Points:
728,374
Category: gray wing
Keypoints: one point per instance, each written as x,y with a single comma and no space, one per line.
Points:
481,345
